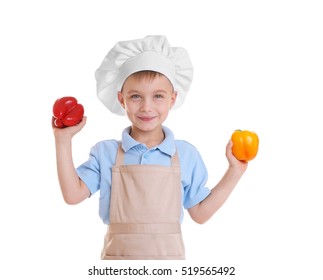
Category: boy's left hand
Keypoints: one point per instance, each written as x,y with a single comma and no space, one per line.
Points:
233,162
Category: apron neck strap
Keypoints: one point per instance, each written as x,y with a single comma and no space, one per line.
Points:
175,159
120,157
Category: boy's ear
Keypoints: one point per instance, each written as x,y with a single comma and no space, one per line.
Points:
121,99
173,99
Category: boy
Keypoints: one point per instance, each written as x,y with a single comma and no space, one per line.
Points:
146,178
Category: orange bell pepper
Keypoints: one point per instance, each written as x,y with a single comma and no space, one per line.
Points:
245,145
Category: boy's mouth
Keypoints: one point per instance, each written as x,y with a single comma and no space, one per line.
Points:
146,119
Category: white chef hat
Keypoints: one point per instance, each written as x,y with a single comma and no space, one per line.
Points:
150,53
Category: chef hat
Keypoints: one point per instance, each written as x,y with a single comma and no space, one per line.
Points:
150,53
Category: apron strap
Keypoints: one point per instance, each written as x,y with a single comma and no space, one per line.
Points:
175,159
120,157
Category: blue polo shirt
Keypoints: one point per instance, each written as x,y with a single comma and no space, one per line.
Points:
96,172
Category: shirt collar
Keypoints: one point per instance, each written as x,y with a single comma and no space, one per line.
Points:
167,146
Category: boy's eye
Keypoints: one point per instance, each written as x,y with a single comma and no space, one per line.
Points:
159,96
135,96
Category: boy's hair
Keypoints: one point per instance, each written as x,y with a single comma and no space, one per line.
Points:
146,74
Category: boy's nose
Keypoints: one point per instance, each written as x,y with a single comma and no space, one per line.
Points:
145,105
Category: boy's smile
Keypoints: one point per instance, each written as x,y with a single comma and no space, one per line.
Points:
147,101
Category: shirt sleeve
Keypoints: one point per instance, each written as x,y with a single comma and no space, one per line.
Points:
89,171
194,176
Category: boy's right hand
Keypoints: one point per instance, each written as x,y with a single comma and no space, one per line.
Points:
68,132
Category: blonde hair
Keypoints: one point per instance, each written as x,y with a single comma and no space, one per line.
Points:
146,74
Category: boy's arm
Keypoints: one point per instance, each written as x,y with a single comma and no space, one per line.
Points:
73,189
201,212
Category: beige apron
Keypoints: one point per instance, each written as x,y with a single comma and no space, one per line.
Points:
145,212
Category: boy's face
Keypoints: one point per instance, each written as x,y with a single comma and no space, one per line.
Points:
147,101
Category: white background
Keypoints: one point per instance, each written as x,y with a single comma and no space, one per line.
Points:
258,66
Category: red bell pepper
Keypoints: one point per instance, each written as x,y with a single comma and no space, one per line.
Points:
67,112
